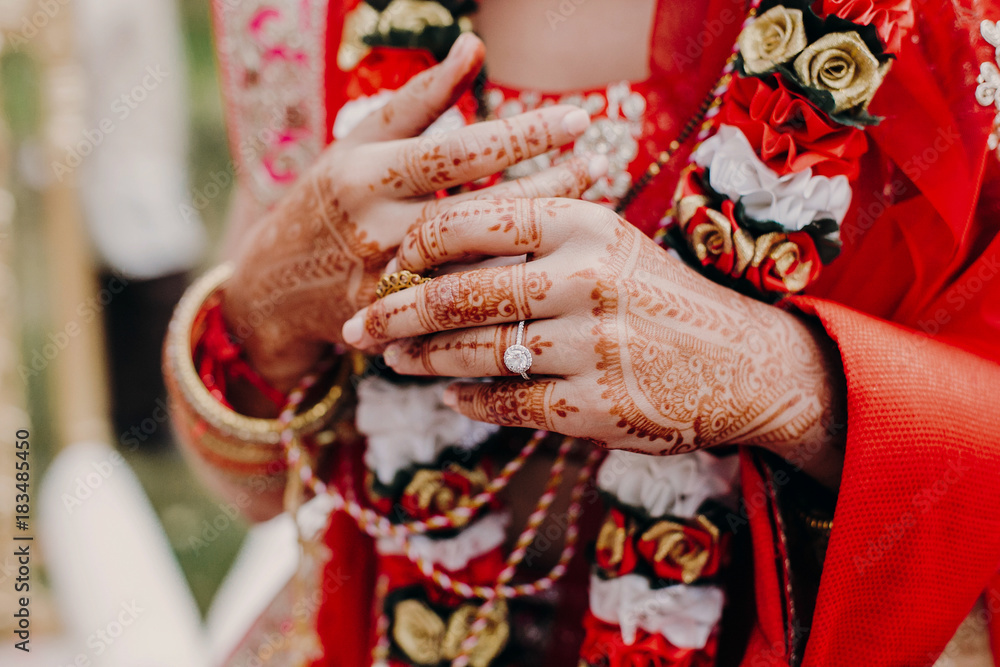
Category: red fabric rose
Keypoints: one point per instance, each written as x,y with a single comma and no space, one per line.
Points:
435,492
603,645
717,240
615,547
788,133
891,18
680,552
387,68
784,263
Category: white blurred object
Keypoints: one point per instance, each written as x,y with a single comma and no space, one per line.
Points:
120,592
267,561
132,150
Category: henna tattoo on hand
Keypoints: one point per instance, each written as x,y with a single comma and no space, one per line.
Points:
309,252
688,364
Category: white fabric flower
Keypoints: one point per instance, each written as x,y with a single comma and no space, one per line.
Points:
409,424
685,615
453,553
661,485
356,110
793,200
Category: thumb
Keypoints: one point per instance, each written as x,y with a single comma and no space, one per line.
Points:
420,102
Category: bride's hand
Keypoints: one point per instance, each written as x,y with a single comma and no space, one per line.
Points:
631,348
316,257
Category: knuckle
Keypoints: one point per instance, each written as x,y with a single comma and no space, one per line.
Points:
462,149
377,321
470,351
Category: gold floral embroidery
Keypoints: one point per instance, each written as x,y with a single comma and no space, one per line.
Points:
271,57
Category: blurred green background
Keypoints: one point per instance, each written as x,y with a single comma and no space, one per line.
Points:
184,509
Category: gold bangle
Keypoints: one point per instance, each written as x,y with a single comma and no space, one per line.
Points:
231,424
397,282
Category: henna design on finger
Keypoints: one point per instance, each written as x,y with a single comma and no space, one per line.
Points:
428,167
517,403
516,224
472,298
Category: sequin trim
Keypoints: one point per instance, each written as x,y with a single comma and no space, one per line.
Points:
988,91
617,114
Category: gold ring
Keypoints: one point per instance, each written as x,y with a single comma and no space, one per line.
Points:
397,282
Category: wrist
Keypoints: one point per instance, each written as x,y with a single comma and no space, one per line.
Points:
818,448
275,347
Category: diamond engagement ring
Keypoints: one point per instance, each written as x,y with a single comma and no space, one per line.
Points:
517,358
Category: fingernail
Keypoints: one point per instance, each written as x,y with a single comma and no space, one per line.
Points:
392,266
461,46
576,121
391,354
598,166
352,330
450,397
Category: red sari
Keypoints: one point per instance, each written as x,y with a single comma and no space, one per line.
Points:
912,303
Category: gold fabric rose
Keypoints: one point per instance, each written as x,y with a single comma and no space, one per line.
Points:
680,550
717,240
424,638
688,206
433,492
490,642
772,39
783,262
841,64
419,632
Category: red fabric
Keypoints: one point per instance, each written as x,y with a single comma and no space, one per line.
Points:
916,536
915,532
220,359
604,646
791,134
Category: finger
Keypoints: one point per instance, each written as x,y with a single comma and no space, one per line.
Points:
505,228
541,404
480,297
479,352
443,160
569,179
423,99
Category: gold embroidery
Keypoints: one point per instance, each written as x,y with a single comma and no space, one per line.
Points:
271,56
